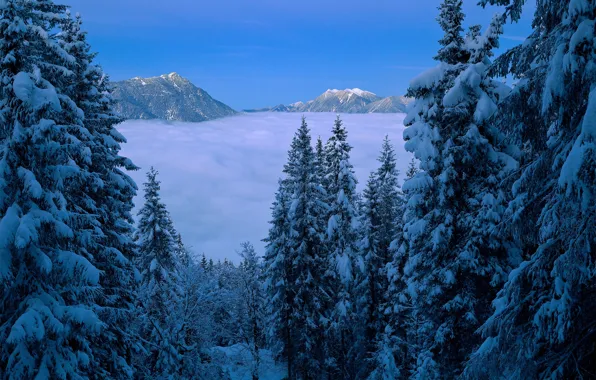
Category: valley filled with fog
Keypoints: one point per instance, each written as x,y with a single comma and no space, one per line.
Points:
218,178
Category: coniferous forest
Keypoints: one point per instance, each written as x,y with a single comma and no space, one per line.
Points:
480,265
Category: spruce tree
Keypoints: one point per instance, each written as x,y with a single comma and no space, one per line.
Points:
158,263
252,302
367,277
450,20
112,195
455,258
543,309
49,317
307,255
342,246
278,276
380,226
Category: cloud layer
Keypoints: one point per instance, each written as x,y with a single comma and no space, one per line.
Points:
219,177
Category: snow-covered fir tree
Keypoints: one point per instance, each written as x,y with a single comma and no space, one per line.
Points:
342,247
455,258
541,326
396,349
380,223
158,263
252,301
304,259
54,245
112,196
307,254
278,277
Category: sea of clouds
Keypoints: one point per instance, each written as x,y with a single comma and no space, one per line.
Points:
218,178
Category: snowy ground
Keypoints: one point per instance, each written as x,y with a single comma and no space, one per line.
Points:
219,177
237,361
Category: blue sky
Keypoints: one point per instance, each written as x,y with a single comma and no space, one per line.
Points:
255,53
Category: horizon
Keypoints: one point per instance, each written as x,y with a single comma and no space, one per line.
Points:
380,46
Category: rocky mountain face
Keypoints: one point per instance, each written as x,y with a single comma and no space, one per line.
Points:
167,97
345,101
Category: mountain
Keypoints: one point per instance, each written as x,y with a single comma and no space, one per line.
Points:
167,97
390,104
345,101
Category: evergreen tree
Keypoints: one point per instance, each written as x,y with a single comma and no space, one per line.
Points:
542,311
158,263
366,278
450,20
49,317
204,262
252,299
111,195
278,276
455,258
342,249
396,349
320,167
381,225
305,243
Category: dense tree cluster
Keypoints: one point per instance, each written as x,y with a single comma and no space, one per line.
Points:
479,265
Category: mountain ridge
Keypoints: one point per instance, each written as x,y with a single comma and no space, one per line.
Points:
352,100
168,97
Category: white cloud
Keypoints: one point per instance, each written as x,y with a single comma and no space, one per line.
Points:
219,177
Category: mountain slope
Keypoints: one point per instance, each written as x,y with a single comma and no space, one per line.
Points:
345,101
167,97
390,104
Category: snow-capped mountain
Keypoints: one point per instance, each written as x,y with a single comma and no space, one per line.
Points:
167,97
390,104
345,101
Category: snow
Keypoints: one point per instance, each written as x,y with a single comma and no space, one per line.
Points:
219,177
237,361
428,78
356,91
8,225
360,92
583,144
27,91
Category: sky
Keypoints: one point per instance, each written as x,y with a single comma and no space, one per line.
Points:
218,178
252,54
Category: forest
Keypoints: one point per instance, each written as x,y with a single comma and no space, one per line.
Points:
480,265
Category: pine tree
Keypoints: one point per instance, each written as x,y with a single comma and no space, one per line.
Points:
367,277
307,256
396,351
542,311
320,168
252,299
455,258
342,247
278,277
112,197
48,316
381,225
450,20
412,169
204,262
158,263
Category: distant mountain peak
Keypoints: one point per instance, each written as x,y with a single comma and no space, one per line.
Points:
173,76
167,97
350,100
356,91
